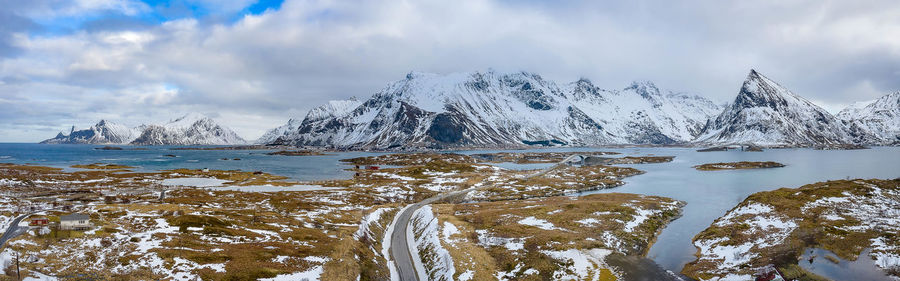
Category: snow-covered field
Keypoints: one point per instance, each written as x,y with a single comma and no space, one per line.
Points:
232,225
845,217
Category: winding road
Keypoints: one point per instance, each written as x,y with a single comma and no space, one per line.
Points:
13,230
399,248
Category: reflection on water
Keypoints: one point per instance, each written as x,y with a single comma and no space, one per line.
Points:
863,268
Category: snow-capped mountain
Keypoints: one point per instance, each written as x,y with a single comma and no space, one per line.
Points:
766,113
875,122
642,113
273,134
104,132
330,110
487,109
191,129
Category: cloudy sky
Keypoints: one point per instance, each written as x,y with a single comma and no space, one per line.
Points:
252,64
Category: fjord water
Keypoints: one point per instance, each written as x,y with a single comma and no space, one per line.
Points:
153,158
709,194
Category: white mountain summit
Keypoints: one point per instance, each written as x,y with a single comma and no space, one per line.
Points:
331,109
489,109
766,113
191,129
104,132
876,122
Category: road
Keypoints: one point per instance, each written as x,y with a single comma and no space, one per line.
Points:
13,230
399,248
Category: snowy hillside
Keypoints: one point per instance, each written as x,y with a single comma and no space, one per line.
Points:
765,113
642,113
104,132
330,110
273,134
496,109
191,129
875,122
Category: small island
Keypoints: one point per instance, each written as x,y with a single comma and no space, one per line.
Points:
102,166
108,148
296,153
738,165
779,227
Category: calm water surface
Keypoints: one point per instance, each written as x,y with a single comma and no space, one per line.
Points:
296,167
708,194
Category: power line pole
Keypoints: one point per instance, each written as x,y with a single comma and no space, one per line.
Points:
18,274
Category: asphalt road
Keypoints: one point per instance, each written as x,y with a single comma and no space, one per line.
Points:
399,249
13,230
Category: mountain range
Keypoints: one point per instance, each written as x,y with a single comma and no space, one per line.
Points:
488,109
491,109
191,129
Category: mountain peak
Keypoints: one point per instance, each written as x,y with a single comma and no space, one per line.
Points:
767,113
188,119
193,116
874,122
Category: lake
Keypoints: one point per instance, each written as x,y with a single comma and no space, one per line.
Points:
708,194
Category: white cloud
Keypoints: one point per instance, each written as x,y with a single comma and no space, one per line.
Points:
47,10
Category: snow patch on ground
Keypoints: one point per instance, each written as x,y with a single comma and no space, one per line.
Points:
487,239
194,182
539,223
582,264
432,260
309,275
769,227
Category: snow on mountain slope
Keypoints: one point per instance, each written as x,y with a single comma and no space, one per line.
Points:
875,122
277,132
641,113
104,132
334,108
461,109
496,109
765,113
330,110
191,129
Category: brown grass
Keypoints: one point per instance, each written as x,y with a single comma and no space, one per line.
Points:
812,231
738,165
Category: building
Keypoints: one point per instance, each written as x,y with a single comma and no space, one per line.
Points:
768,273
39,221
75,222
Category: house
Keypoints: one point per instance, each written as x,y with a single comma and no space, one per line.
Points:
39,221
75,222
768,273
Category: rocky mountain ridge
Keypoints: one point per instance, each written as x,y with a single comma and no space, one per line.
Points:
191,129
